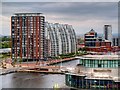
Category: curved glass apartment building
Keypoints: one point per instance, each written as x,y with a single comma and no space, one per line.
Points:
96,71
62,38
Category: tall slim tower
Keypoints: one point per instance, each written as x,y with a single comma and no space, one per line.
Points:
108,32
27,33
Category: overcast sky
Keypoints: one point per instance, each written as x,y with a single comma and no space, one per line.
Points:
83,16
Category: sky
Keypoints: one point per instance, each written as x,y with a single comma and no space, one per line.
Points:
83,16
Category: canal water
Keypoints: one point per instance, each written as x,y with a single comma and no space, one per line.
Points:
35,80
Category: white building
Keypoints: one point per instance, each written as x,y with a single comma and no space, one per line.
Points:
108,32
62,38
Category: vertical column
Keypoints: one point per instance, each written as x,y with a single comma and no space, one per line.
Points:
11,40
36,37
33,38
39,37
20,37
27,37
15,37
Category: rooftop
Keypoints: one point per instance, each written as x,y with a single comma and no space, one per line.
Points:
28,14
102,57
99,76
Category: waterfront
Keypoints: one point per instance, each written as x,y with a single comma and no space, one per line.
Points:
35,80
32,80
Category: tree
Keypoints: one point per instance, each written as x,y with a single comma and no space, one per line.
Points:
14,62
20,61
5,44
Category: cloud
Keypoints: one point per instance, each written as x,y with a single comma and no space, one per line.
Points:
83,15
60,0
5,25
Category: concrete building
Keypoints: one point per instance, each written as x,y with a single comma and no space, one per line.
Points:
108,32
27,33
116,41
62,38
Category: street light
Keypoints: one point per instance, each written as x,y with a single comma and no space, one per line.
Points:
61,61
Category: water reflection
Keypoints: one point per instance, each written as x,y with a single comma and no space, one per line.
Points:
35,80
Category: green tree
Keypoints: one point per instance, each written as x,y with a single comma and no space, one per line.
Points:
5,44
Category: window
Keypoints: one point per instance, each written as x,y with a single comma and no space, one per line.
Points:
99,65
12,27
12,22
80,61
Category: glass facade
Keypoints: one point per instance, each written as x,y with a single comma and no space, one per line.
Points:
100,72
81,82
90,38
96,63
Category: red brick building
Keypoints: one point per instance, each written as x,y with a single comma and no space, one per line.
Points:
96,44
27,33
101,47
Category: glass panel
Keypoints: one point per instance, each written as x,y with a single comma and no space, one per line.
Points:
109,65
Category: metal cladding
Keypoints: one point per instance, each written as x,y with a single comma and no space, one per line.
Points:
62,38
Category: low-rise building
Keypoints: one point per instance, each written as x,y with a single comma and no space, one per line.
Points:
95,43
116,41
95,71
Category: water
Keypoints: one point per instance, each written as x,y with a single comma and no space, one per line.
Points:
35,80
32,80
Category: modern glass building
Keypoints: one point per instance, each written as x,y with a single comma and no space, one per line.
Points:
90,38
62,38
96,71
100,62
27,33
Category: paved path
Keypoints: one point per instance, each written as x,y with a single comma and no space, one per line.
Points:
34,65
43,63
9,70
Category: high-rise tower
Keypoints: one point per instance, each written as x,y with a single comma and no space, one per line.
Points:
27,33
108,32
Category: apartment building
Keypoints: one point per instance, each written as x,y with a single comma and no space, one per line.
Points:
62,38
27,33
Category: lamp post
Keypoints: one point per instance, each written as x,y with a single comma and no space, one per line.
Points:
60,61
